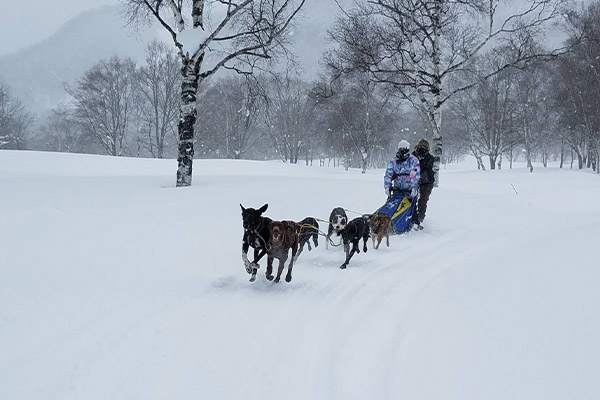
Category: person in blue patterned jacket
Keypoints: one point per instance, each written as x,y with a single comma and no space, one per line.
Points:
403,173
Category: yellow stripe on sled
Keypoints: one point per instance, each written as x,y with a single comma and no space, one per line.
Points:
402,206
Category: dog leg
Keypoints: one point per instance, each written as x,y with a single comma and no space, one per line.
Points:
316,239
269,273
295,257
245,247
246,263
258,254
288,277
379,239
348,257
280,269
328,237
387,237
365,238
253,276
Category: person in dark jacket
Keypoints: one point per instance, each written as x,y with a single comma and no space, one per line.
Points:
425,182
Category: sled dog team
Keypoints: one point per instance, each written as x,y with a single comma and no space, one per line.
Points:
275,239
406,173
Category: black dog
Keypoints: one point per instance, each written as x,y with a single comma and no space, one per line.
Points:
337,222
256,234
355,230
307,228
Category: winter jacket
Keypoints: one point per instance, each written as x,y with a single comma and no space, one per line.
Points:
402,175
426,164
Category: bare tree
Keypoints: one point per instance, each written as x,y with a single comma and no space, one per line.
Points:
419,46
230,111
14,121
534,120
577,82
104,102
63,131
289,115
157,97
361,117
211,35
488,109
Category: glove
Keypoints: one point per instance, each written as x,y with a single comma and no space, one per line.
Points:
414,192
387,191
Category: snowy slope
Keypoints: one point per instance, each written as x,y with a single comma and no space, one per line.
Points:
109,289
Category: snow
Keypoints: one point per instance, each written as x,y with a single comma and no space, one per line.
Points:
116,285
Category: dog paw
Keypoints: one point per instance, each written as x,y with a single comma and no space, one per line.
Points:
288,278
276,280
252,278
343,266
270,277
365,249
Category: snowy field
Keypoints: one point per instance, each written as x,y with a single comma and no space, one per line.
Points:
116,285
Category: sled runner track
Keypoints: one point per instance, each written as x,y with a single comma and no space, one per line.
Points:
355,307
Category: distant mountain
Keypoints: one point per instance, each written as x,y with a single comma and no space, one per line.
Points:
37,74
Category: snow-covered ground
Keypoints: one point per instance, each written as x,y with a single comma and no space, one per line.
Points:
116,285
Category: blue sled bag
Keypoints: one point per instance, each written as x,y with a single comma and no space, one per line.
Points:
400,208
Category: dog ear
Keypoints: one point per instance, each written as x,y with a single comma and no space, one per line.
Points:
243,209
263,208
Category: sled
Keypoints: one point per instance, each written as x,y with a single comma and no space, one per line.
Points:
400,208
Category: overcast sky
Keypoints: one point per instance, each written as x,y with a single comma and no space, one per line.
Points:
26,22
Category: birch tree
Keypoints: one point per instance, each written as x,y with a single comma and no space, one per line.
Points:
211,35
417,47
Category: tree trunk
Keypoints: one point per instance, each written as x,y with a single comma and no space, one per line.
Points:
562,152
435,119
185,127
529,164
365,163
480,164
493,162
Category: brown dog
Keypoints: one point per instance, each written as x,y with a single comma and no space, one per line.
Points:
381,224
282,238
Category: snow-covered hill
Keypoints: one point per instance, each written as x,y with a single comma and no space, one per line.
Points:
116,285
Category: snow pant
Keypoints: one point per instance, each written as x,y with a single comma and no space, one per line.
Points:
421,207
